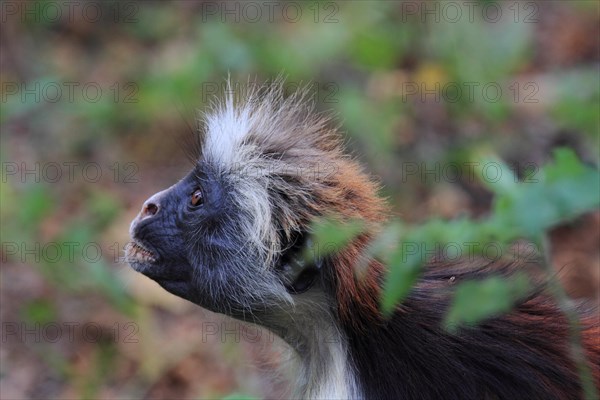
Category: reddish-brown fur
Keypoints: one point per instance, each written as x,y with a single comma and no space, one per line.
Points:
539,324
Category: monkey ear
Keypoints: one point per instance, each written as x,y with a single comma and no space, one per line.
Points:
299,270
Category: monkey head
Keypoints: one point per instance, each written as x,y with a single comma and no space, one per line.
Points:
230,234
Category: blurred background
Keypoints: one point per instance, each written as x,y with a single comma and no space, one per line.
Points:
97,96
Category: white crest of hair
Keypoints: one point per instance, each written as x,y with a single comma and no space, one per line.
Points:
242,132
235,129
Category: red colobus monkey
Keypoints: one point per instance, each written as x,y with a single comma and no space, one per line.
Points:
230,235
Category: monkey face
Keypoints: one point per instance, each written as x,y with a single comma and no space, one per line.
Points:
229,235
193,240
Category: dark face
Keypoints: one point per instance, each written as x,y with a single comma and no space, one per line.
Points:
193,240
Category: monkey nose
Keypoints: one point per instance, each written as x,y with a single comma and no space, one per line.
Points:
151,206
148,210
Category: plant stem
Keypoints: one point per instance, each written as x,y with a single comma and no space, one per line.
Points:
565,305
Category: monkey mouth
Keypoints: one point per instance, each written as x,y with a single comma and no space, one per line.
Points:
136,253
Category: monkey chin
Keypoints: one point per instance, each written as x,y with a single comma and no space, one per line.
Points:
146,262
143,261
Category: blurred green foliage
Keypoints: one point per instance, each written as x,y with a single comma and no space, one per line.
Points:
565,189
475,301
363,58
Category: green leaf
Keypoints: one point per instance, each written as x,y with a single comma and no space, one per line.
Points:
330,235
496,175
566,164
404,269
475,301
565,189
451,239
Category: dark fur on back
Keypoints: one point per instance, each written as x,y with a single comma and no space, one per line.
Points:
522,355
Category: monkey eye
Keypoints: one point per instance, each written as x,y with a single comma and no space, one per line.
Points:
197,198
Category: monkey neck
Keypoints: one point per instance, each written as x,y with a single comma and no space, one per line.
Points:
324,369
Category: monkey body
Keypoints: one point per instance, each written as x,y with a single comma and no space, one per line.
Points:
229,237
